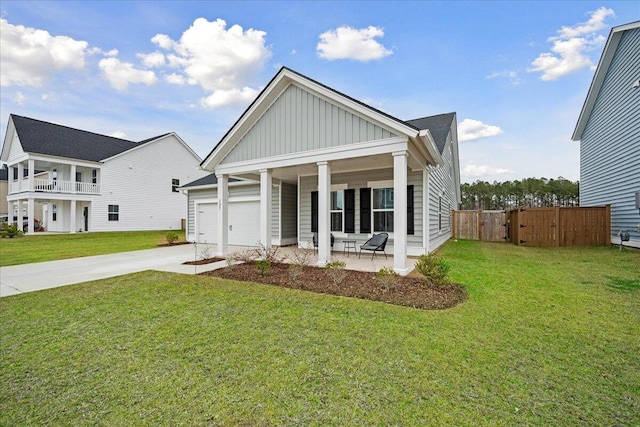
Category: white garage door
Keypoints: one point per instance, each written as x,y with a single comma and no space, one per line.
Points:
244,223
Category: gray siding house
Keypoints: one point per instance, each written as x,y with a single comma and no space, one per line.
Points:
305,158
609,133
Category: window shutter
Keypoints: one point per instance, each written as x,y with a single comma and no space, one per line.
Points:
410,229
365,210
314,211
350,211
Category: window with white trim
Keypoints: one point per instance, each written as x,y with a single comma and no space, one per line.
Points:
337,210
94,176
175,183
114,212
382,208
54,212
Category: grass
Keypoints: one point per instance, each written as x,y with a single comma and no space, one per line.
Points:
50,247
547,337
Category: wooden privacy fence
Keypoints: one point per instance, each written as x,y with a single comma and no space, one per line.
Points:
566,226
570,226
488,226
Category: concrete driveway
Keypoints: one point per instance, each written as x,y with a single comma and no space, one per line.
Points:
18,279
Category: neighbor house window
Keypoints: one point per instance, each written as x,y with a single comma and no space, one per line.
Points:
54,212
337,210
114,212
94,176
382,208
175,183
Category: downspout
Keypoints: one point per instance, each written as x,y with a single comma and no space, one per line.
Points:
426,208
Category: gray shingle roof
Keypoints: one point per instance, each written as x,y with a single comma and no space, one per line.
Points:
439,126
41,137
210,179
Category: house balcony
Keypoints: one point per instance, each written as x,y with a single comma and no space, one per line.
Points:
54,186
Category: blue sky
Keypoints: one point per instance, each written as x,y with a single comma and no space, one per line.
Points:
516,73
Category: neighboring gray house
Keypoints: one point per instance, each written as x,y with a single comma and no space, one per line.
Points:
308,158
609,132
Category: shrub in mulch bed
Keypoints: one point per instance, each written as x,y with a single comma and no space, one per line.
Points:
406,291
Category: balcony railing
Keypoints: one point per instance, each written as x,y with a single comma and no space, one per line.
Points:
55,186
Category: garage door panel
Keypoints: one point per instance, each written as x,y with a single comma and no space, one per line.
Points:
244,223
207,223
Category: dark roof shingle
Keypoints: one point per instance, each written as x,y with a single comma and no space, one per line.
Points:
41,137
210,179
439,126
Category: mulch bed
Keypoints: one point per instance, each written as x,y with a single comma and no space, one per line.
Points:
173,244
203,261
406,291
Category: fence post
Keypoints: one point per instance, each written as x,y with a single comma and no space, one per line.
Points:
479,223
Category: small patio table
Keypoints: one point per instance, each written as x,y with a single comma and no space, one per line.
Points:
349,244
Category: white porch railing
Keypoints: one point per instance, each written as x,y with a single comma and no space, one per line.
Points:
55,186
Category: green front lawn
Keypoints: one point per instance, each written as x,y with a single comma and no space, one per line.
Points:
50,247
547,337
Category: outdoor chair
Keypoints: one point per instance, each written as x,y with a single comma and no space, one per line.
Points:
315,242
375,244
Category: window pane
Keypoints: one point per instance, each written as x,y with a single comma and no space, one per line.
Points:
383,221
383,198
378,194
337,200
336,221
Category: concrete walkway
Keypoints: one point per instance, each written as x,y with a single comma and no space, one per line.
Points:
23,278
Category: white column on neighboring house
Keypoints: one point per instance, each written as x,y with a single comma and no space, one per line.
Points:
12,186
72,217
20,176
31,173
223,215
73,179
400,212
19,214
266,189
324,224
30,215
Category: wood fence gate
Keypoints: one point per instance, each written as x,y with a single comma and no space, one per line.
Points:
488,226
567,226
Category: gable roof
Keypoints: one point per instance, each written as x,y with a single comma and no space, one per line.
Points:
439,126
51,139
598,78
279,82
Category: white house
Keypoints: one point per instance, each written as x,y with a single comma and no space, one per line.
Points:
609,132
92,182
305,158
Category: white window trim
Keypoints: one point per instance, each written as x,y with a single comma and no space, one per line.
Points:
340,211
381,185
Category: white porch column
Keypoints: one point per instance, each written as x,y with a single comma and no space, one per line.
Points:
223,215
324,223
72,217
30,215
32,168
20,214
12,186
400,212
73,179
20,178
266,182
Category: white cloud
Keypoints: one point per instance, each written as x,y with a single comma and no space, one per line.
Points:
119,134
569,47
231,97
151,60
350,43
19,98
222,61
121,74
29,56
471,170
470,130
511,75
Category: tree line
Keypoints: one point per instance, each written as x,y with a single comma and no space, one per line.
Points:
530,192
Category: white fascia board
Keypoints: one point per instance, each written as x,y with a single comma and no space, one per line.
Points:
64,160
50,196
363,149
598,78
8,138
428,142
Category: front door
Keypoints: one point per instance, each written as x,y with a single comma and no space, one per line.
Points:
85,214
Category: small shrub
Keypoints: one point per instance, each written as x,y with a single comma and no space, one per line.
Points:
172,237
241,256
11,231
206,252
387,277
335,271
295,271
300,256
432,268
269,253
263,266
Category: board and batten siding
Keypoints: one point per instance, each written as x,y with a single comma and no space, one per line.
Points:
610,144
139,182
357,180
442,184
300,121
